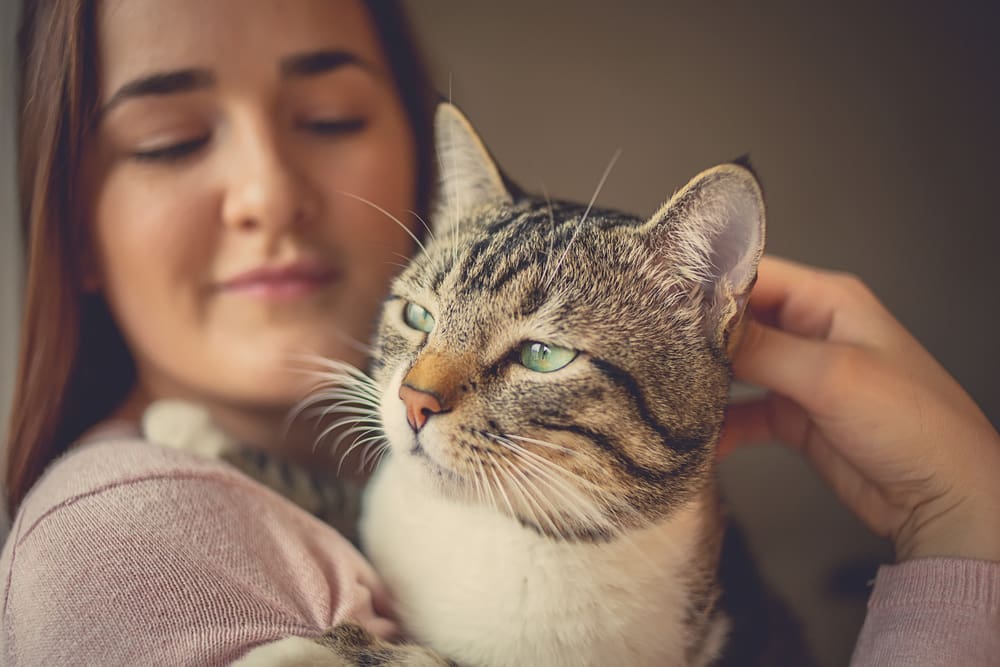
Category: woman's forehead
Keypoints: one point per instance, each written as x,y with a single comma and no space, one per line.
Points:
227,37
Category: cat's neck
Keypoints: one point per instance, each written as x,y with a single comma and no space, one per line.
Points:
452,565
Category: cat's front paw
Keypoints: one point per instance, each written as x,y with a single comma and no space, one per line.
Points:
345,645
353,643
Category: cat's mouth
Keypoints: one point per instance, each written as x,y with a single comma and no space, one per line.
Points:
418,451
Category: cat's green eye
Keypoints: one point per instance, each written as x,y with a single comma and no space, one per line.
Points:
418,318
545,358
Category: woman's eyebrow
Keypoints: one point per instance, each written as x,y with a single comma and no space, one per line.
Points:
160,83
319,62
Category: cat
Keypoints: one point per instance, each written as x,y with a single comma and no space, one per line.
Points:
551,381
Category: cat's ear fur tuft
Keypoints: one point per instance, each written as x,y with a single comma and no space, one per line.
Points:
468,176
711,235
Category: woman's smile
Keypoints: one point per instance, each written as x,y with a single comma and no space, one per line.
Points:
281,282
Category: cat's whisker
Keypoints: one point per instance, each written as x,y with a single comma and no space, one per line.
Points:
372,446
530,456
344,388
356,428
396,264
579,504
487,484
327,363
363,418
380,454
598,507
430,232
480,494
339,407
319,414
549,464
543,516
512,474
542,499
583,220
500,486
337,385
310,362
493,495
541,443
370,443
399,222
343,396
354,445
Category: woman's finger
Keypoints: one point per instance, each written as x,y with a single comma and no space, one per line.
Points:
788,296
819,304
807,371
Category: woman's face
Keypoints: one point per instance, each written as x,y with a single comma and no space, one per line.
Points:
224,180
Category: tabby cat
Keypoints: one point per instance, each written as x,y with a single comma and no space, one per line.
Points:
551,381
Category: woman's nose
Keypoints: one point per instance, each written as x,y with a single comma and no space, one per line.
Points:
267,190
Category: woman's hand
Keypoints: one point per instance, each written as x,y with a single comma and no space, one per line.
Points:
892,433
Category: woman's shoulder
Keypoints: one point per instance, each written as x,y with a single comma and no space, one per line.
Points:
121,535
119,477
113,463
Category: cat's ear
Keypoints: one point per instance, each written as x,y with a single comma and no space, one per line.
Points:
711,235
468,177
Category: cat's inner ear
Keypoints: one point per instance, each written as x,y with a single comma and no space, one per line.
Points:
468,177
711,236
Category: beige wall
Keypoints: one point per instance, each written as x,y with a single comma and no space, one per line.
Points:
10,261
873,128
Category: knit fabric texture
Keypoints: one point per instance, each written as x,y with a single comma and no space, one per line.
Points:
930,612
127,553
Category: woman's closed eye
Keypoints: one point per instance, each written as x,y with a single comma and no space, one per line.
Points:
334,127
170,151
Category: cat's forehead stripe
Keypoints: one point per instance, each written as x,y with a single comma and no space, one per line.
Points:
533,234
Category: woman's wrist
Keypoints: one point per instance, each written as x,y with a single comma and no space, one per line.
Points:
966,528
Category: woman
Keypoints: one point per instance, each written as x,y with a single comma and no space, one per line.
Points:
191,174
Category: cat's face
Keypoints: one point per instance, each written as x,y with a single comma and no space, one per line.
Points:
569,372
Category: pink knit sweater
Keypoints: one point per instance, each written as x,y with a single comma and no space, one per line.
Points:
131,554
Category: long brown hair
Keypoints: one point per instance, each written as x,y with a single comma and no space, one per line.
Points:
73,364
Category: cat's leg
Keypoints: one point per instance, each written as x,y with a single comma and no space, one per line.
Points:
346,645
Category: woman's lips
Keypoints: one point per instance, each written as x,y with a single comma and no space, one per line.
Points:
280,283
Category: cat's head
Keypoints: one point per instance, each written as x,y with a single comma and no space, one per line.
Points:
567,366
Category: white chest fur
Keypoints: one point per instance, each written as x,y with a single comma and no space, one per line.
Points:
484,590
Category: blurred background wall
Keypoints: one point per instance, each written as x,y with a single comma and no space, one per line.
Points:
872,125
10,246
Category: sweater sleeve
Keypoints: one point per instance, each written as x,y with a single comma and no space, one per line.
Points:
172,561
934,611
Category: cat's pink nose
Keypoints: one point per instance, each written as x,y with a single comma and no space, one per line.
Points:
420,405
